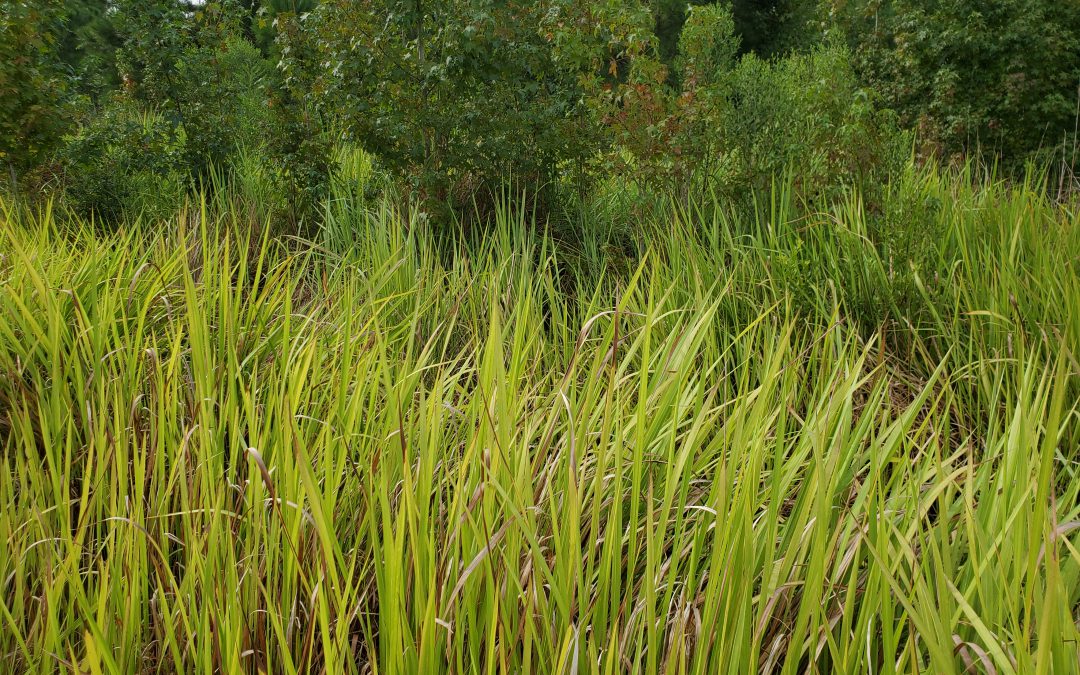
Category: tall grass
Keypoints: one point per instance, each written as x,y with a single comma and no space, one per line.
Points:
758,449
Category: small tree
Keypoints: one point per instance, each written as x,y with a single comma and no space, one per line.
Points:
995,75
193,65
456,95
32,83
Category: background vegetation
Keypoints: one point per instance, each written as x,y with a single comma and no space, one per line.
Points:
565,100
549,336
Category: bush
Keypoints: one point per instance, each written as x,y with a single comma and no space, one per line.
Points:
199,72
32,85
807,114
125,159
997,76
224,100
735,125
458,101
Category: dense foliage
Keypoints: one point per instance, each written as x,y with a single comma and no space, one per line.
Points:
997,76
31,82
539,336
458,100
455,94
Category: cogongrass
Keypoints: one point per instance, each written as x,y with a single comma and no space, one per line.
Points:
222,454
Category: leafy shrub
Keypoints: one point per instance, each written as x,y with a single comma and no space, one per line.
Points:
735,125
456,99
197,69
807,114
87,47
124,160
31,82
228,100
999,76
225,100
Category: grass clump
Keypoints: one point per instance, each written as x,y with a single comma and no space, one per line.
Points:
225,454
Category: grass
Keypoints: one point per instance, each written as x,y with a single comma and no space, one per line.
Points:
784,444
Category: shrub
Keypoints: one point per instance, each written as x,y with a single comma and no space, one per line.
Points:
226,98
998,76
456,100
197,69
124,159
31,82
735,125
807,114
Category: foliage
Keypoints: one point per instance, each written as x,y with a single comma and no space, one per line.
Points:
88,46
627,86
195,68
32,86
458,96
767,28
192,70
259,19
302,152
1000,76
124,159
736,124
773,28
807,114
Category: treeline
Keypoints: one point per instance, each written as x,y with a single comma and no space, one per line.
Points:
123,105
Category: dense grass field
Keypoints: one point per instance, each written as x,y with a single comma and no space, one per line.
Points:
791,443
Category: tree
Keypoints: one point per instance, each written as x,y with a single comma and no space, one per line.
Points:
32,82
455,95
87,46
1000,76
192,64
